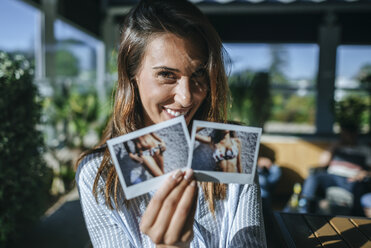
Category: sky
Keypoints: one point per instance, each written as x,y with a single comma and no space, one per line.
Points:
18,34
17,25
18,22
301,58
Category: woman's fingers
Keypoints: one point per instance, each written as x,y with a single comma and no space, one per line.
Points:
169,216
155,204
187,232
169,206
181,225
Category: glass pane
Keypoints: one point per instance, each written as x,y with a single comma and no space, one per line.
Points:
291,71
74,110
353,87
18,34
289,64
292,112
353,66
352,109
76,54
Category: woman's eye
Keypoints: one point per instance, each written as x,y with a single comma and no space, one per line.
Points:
200,73
167,75
199,79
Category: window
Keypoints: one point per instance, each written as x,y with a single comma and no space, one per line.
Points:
74,106
289,71
76,54
19,37
353,83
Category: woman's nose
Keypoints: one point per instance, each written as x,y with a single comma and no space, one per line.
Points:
183,94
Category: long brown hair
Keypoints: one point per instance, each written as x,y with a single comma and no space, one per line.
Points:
148,19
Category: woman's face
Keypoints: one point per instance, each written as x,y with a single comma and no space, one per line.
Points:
172,79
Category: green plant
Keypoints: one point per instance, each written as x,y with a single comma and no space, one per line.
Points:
67,174
66,64
251,97
364,75
24,177
293,108
261,100
73,112
238,85
349,112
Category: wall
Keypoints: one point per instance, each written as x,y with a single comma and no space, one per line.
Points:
295,156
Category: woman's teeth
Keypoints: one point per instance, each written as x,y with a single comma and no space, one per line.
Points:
175,113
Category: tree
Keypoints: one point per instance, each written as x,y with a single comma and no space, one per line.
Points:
364,75
278,55
251,97
67,65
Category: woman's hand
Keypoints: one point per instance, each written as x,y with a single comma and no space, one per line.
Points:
168,219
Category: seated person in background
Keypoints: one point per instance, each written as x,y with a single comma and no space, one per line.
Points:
366,204
347,165
269,175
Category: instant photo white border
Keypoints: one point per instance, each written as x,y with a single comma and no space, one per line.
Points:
150,184
224,177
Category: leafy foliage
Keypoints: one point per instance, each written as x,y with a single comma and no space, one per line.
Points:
251,97
350,111
238,85
262,96
66,64
74,111
23,174
293,108
364,75
279,62
74,117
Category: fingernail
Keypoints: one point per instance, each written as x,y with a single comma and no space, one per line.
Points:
177,175
193,183
188,175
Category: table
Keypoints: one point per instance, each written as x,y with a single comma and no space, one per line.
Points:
309,230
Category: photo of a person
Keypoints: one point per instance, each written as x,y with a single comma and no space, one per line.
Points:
144,156
148,151
224,153
226,148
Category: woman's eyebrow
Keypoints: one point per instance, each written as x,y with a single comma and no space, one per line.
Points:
165,68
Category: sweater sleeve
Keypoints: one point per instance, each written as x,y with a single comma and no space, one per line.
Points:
102,226
248,226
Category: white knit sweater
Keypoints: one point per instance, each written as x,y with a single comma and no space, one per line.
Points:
237,221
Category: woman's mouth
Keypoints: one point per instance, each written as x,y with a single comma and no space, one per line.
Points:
176,113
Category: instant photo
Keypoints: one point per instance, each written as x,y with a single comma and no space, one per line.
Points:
224,153
144,157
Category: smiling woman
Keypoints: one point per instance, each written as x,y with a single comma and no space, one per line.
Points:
169,64
172,79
